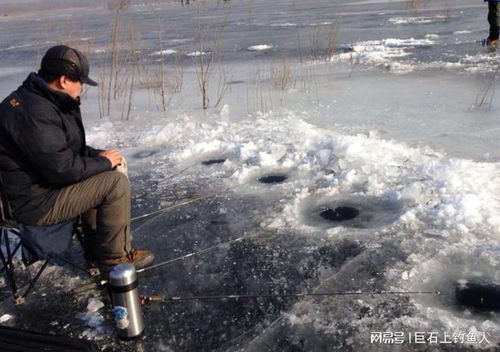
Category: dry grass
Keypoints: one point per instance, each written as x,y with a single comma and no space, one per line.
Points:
258,97
484,99
281,75
323,42
414,5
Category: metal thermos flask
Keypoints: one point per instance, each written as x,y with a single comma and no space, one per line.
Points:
127,309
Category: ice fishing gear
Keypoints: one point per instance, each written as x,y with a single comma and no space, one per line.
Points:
196,253
124,294
265,179
163,210
102,283
159,299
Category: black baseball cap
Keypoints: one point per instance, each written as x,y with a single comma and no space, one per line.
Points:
63,60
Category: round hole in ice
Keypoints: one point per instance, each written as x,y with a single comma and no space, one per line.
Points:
145,154
353,211
271,179
478,293
341,213
213,161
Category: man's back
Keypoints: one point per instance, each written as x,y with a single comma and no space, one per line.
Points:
42,147
49,173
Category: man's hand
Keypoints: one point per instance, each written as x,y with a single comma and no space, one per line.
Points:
113,155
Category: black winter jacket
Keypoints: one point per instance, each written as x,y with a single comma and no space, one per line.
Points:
42,148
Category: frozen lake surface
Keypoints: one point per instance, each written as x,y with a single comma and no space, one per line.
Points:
369,105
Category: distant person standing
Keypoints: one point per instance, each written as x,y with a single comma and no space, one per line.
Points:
494,21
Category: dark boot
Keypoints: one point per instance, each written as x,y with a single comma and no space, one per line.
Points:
139,257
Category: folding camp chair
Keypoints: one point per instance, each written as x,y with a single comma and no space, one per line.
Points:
36,243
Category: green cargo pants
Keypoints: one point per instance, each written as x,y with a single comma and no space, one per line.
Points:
103,201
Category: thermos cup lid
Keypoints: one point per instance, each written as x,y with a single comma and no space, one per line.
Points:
122,275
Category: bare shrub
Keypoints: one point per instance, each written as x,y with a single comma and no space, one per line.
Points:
132,61
223,85
414,5
257,97
323,42
281,74
208,43
118,4
163,83
112,63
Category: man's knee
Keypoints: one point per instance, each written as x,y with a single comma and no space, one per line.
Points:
118,182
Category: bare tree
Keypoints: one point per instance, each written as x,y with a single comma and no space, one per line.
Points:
208,43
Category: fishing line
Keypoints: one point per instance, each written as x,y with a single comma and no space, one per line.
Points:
102,283
181,171
203,250
162,210
196,253
481,98
163,298
192,254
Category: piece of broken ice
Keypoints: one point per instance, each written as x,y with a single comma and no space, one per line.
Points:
94,305
4,318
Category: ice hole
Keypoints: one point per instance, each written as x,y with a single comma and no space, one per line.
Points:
145,154
480,294
270,179
341,213
213,161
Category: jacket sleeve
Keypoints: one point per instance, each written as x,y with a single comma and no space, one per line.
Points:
43,141
91,152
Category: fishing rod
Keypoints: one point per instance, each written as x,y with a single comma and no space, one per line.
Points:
196,253
163,210
172,299
102,283
184,169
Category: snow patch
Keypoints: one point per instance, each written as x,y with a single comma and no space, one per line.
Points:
383,53
197,53
260,47
165,52
416,20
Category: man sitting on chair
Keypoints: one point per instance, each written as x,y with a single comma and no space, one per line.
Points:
49,173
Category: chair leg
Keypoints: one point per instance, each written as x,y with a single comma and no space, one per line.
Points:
88,271
34,280
16,248
93,271
8,266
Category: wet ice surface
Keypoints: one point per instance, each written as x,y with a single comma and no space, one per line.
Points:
387,126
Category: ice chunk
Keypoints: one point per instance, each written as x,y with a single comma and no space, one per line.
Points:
94,305
91,319
4,318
